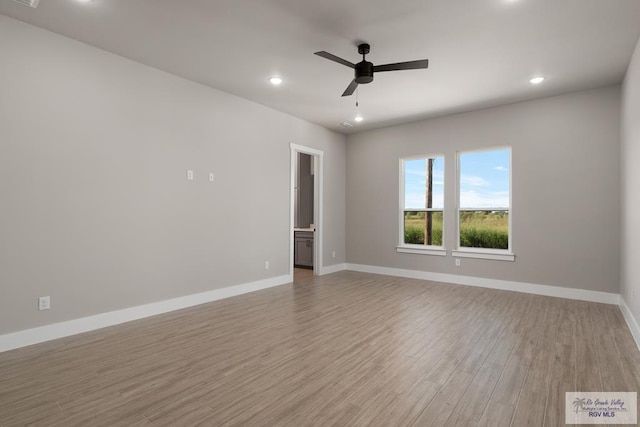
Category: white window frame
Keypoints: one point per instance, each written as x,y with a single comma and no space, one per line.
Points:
412,248
483,253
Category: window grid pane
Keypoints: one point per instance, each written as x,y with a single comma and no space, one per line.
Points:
484,179
423,227
424,183
484,229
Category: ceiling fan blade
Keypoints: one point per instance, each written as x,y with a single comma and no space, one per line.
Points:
351,88
410,65
334,58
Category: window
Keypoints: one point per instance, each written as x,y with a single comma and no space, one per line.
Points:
422,205
484,203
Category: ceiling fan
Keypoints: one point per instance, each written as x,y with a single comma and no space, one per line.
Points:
364,70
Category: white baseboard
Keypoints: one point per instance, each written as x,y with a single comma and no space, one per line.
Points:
63,329
59,330
529,288
332,269
632,322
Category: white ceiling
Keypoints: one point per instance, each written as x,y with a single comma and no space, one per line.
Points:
481,52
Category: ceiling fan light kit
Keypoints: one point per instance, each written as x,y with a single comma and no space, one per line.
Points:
364,70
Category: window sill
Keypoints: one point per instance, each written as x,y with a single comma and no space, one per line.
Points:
421,251
484,254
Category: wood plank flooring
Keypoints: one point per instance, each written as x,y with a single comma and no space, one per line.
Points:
343,349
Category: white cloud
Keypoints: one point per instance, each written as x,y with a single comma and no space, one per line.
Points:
474,199
474,181
501,168
423,173
413,172
416,200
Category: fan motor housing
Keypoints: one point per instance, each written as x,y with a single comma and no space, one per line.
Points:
364,72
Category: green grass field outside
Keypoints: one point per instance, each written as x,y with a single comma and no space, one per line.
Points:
478,229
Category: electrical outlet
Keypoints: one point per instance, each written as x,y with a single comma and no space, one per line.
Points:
44,303
189,175
457,262
333,254
266,265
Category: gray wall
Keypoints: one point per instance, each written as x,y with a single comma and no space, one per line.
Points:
565,194
631,185
96,210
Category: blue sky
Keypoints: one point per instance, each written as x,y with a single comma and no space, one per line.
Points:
484,180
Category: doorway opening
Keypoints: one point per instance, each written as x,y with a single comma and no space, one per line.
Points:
306,211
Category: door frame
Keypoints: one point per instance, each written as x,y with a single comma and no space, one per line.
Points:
318,200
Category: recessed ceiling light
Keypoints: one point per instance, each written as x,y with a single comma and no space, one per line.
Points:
536,80
276,81
358,118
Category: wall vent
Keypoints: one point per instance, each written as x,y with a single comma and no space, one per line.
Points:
30,3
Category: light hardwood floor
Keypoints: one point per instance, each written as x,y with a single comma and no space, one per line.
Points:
343,349
301,274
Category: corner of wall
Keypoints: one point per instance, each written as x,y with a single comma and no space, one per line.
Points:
630,201
632,322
